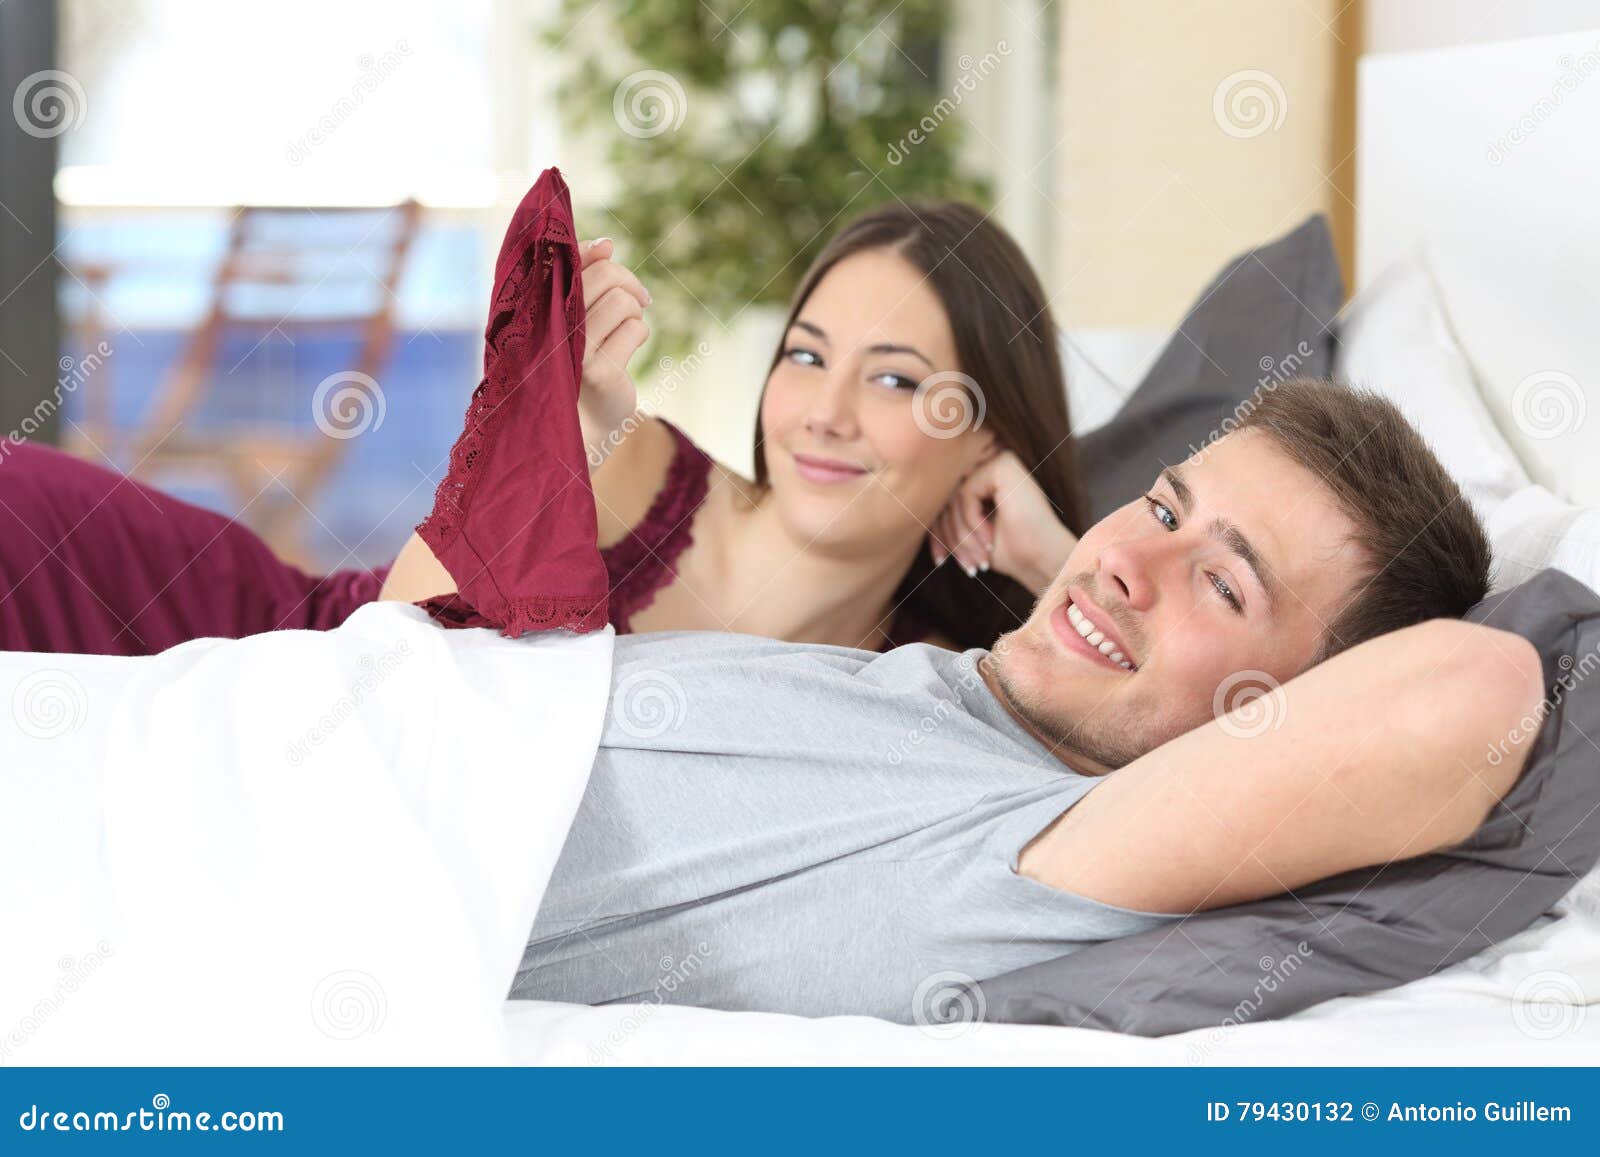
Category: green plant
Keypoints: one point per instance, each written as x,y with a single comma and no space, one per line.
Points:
744,134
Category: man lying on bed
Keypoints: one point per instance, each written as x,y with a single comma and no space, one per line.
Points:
819,830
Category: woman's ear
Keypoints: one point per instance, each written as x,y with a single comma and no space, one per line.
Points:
983,446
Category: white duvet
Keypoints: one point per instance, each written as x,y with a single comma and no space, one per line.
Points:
329,848
299,847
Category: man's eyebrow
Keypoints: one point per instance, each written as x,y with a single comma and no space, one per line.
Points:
1229,535
1233,538
1174,477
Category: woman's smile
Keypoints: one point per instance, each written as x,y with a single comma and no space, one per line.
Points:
827,471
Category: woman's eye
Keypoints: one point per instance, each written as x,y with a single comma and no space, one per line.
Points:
802,356
1226,592
1161,512
896,381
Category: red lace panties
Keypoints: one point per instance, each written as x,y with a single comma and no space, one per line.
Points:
514,520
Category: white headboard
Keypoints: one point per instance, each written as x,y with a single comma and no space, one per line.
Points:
1488,156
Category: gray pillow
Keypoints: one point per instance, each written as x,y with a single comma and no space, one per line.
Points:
1267,317
1373,928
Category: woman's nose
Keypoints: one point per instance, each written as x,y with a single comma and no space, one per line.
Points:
832,412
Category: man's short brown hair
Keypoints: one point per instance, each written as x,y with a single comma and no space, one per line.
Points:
1427,554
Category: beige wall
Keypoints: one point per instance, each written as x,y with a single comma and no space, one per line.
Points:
1158,184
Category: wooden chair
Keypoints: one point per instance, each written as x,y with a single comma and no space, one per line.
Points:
94,435
289,275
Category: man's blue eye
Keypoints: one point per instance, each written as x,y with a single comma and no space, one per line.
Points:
1162,513
1223,589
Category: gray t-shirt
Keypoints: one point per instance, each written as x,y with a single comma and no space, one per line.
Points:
805,829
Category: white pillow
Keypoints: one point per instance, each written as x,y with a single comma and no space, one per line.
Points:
1103,367
1535,529
1396,340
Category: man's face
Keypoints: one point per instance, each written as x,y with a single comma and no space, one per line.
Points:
1235,561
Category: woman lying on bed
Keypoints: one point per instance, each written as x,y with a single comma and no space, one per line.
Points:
863,485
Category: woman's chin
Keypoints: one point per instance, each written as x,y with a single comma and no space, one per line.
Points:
834,524
818,529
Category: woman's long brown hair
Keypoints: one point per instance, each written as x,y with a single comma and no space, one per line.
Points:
1007,343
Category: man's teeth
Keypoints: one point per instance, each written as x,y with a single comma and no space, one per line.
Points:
1095,637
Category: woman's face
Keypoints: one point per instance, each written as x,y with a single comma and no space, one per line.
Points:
855,458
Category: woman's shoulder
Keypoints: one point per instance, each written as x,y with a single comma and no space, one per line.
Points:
659,478
654,461
677,492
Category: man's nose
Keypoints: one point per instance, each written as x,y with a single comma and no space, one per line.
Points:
1131,568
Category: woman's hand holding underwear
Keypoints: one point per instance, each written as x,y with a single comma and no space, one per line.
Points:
614,329
999,518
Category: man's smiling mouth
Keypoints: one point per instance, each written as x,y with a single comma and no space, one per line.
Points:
1091,634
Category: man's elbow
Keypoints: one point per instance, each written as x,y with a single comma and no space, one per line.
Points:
1510,688
1479,704
1499,680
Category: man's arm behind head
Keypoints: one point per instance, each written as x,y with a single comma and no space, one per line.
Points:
1392,749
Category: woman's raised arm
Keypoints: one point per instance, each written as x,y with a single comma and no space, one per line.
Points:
628,454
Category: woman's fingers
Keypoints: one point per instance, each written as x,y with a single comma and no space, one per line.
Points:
937,537
606,314
616,350
964,541
973,544
971,501
597,250
603,275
